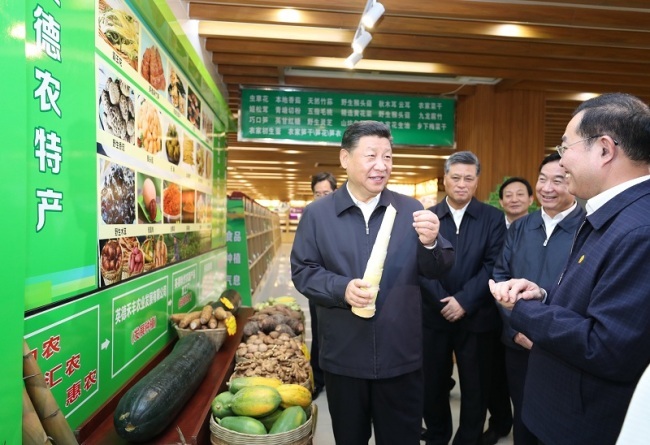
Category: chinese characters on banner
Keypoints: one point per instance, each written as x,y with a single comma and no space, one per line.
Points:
321,117
48,147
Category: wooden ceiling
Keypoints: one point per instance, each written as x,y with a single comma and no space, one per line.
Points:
564,48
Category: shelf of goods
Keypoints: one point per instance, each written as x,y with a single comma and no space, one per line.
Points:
271,382
253,237
194,419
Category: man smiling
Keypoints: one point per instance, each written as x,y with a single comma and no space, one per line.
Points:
372,366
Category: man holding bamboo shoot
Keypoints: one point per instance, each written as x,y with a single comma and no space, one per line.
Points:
362,248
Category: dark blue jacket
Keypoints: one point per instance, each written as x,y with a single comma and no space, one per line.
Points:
331,247
592,335
527,254
477,246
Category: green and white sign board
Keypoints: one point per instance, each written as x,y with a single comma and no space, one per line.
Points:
117,203
321,117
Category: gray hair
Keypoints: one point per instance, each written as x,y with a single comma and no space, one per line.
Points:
463,157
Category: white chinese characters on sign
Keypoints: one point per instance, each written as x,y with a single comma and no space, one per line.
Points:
48,148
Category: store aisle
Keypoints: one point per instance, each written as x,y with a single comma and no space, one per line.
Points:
276,283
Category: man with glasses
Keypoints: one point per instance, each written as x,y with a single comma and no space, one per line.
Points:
459,315
536,248
322,184
590,329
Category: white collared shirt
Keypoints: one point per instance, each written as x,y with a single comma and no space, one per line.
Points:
551,222
366,207
457,214
601,199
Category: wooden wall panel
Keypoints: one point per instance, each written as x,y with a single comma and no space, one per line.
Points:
505,130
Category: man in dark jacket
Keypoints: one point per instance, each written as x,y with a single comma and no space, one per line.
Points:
460,316
590,330
322,184
536,248
372,366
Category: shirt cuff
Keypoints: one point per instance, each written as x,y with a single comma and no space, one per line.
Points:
433,246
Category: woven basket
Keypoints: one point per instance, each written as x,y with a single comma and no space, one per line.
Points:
302,435
216,335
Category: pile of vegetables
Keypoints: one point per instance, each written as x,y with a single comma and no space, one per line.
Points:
261,405
273,344
217,315
207,318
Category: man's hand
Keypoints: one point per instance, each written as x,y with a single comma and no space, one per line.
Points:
452,311
358,293
507,293
522,340
427,225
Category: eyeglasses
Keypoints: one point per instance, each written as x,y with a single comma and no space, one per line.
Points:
562,148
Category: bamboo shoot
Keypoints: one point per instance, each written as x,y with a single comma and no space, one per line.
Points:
53,420
375,266
33,432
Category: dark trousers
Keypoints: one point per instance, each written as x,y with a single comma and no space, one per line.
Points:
499,406
516,367
319,380
393,407
473,353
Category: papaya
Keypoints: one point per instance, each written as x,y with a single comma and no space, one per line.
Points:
255,401
293,394
243,424
270,419
221,405
290,419
241,382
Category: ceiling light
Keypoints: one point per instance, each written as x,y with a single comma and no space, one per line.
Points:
361,40
374,10
352,60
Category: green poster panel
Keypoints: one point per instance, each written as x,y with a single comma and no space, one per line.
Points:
238,272
60,125
184,295
321,117
90,347
15,153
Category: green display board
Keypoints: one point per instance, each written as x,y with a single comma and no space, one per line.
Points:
123,328
238,269
14,164
96,124
302,116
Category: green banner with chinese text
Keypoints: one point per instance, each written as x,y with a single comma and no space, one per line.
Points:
321,117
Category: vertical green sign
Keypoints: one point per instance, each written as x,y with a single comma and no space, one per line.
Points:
61,127
302,116
15,154
238,276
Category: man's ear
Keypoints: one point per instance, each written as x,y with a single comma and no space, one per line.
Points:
343,158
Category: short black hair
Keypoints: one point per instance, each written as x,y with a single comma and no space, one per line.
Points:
623,117
553,157
323,176
512,179
360,129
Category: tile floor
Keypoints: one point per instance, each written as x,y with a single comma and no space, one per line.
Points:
276,283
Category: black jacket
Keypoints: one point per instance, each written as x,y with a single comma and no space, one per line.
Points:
331,247
527,254
477,245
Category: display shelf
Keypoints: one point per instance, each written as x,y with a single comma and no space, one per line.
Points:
194,420
253,237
